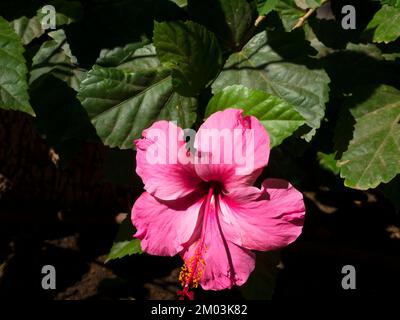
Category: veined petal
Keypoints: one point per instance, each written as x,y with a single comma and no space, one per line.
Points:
233,148
164,226
163,163
266,219
225,263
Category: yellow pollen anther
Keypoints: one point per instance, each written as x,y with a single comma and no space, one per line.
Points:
192,270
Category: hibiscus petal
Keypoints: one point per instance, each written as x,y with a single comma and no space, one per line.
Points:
165,174
234,148
266,219
163,226
225,264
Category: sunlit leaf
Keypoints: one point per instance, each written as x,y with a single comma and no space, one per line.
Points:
27,28
124,243
394,3
266,6
278,117
124,248
385,25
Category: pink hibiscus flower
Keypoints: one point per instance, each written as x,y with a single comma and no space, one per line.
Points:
207,212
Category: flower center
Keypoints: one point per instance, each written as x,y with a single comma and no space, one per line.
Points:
193,267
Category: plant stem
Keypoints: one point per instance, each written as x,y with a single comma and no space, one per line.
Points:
309,12
301,21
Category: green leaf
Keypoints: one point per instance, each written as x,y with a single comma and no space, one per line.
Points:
48,48
27,28
132,57
314,3
259,66
385,25
124,243
191,50
124,248
180,3
372,156
13,86
394,3
119,56
289,13
122,104
55,57
230,20
328,162
266,6
278,117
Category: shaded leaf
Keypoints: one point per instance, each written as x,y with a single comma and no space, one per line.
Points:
373,154
261,284
60,118
357,66
230,20
48,48
122,104
133,57
391,191
13,86
259,66
191,50
331,33
55,57
278,117
118,56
